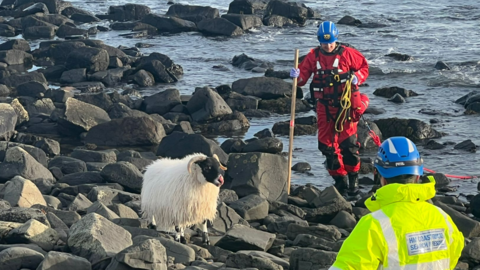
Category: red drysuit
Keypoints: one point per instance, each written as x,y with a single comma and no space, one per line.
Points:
340,149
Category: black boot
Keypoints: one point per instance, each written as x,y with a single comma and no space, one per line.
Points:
353,184
341,184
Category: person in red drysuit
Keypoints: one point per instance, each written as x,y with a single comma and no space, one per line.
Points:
334,65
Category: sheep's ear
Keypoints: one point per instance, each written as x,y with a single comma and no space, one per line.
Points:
192,161
221,166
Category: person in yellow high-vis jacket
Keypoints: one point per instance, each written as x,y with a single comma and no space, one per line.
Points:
403,231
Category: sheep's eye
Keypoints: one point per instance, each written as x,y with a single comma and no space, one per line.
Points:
207,168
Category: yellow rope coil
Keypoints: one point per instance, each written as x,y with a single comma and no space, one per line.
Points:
345,104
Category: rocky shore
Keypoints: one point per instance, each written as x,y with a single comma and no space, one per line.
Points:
73,152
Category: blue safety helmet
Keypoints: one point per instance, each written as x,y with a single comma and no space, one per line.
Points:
327,32
398,156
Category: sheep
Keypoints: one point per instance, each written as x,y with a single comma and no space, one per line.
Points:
179,193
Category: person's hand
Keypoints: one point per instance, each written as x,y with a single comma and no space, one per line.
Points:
294,73
355,79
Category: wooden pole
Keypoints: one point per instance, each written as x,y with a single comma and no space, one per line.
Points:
292,123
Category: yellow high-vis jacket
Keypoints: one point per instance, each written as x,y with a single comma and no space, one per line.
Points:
402,232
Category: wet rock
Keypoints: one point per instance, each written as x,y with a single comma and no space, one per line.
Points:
149,254
7,30
256,173
162,102
241,237
125,174
283,105
220,27
247,6
69,11
118,132
179,145
192,13
264,145
303,126
22,192
166,24
264,88
466,145
400,57
277,74
240,102
349,20
364,138
144,78
8,121
248,261
295,11
248,63
74,75
433,145
84,18
16,79
245,22
89,87
302,167
233,146
80,116
20,258
252,207
93,59
16,57
225,124
128,12
440,65
158,71
34,232
94,237
311,259
264,133
111,77
390,92
68,31
206,104
413,129
397,98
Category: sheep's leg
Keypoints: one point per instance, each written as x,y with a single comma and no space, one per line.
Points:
180,235
205,238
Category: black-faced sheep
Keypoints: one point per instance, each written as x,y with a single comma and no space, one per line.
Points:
179,193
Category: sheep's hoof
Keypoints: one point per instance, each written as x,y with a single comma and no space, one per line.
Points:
183,240
205,239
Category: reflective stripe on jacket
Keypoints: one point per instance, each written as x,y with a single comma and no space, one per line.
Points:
403,231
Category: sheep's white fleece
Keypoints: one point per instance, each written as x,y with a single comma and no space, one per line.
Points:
173,197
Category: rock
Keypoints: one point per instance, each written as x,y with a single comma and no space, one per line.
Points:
302,167
67,165
93,59
161,102
399,56
251,208
80,204
58,260
84,18
34,232
7,30
149,254
413,129
124,173
103,210
8,121
248,261
118,132
80,116
471,249
16,79
468,227
101,100
180,252
475,205
20,258
292,10
79,178
364,138
433,145
105,156
240,102
326,232
311,259
243,21
94,238
167,24
265,145
226,218
303,126
68,217
16,57
22,192
225,124
466,145
440,65
179,145
246,6
397,98
67,31
344,220
15,44
265,133
18,162
89,87
22,215
128,12
207,104
74,75
144,78
219,27
256,173
390,92
283,105
241,237
248,63
192,13
349,20
264,88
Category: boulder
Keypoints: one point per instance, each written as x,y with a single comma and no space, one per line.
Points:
34,232
311,259
22,192
192,13
264,88
16,57
80,116
257,173
247,6
59,260
149,254
167,24
20,258
207,104
8,121
128,12
127,131
295,11
93,59
161,102
245,22
413,129
219,27
241,237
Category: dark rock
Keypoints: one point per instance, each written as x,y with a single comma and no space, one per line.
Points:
59,260
158,71
248,63
248,261
144,78
7,30
294,11
349,20
219,27
301,167
141,255
277,21
257,173
364,138
264,133
390,92
125,174
16,79
251,208
100,100
89,87
283,105
206,104
399,56
264,145
79,178
16,57
84,18
128,12
247,6
111,77
18,162
227,196
20,258
257,113
311,259
344,220
80,116
326,232
245,22
66,31
466,145
8,120
240,102
192,13
264,87
127,131
413,129
241,237
93,59
179,145
468,227
433,145
166,24
303,126
37,32
22,215
440,65
67,165
397,98
74,75
69,11
32,89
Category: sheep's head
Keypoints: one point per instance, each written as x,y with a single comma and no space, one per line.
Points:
211,169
